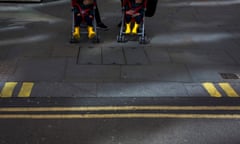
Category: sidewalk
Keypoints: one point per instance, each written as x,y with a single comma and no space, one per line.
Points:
192,42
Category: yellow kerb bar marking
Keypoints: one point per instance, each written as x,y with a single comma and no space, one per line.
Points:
26,89
228,90
211,89
7,90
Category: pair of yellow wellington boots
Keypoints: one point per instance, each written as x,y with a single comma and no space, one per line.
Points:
91,33
134,30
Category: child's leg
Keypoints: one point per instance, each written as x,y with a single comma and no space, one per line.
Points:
89,20
138,20
91,33
128,24
77,17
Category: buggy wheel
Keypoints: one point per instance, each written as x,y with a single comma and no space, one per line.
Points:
143,40
74,40
121,38
96,39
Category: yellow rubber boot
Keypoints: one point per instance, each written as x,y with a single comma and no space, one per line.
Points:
128,28
91,33
135,28
76,33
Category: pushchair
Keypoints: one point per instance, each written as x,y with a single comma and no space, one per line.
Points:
77,8
140,30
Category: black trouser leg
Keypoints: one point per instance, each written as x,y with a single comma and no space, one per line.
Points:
128,18
88,20
77,17
97,15
138,19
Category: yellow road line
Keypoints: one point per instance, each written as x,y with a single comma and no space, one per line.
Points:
26,89
115,108
211,89
7,90
228,90
128,115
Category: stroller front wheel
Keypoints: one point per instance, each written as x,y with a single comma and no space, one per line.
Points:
143,40
96,39
121,38
74,40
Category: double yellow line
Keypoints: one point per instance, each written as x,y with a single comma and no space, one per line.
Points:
115,112
226,87
117,116
8,89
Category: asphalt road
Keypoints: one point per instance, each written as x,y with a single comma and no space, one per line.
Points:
116,131
119,120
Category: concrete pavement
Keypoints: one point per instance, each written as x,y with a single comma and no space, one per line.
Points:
192,43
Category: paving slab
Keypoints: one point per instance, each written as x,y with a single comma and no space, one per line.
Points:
135,55
67,51
91,73
7,68
3,53
90,55
218,41
143,89
32,50
162,72
157,55
61,36
196,89
59,89
39,69
200,56
113,55
226,14
211,73
234,53
176,39
182,14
